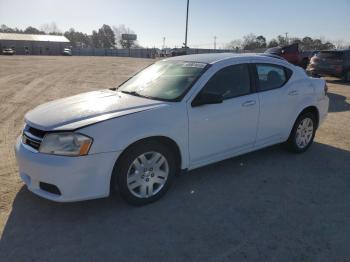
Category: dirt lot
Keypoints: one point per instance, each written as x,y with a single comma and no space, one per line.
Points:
265,206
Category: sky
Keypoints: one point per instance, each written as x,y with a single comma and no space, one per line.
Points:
154,19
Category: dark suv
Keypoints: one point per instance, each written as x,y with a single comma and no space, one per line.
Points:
331,63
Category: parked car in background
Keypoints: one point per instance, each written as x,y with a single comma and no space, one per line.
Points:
8,51
166,52
178,51
180,113
67,51
290,52
331,63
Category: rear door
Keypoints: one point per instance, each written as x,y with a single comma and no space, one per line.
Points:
277,102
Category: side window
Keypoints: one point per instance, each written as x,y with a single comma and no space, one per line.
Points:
230,81
270,76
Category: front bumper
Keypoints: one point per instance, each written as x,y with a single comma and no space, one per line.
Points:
77,178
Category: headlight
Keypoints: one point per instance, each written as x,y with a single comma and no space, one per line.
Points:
65,144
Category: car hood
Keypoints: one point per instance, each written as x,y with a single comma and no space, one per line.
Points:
86,109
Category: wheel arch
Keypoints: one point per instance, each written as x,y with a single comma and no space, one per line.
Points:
159,139
311,108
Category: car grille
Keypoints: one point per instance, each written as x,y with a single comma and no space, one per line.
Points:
32,137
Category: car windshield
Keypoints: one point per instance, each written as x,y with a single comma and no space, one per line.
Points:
164,80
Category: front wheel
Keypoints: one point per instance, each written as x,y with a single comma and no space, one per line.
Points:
303,133
145,172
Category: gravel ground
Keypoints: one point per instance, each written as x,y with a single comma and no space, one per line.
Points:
269,205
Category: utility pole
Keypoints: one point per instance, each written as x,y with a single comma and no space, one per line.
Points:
287,42
188,3
215,42
163,42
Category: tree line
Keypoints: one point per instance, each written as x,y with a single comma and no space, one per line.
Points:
110,37
253,42
104,37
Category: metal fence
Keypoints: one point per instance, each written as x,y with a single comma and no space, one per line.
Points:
146,52
139,52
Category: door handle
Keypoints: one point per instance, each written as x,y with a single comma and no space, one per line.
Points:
293,93
249,103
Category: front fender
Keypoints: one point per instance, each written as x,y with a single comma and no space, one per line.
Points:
117,134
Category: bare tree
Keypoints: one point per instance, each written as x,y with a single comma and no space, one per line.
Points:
272,43
6,29
122,29
236,44
50,28
341,44
251,42
282,40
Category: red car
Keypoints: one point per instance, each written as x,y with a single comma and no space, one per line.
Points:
290,52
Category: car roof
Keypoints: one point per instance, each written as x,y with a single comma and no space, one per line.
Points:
216,57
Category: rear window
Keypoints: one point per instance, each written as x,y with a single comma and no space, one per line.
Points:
271,76
330,54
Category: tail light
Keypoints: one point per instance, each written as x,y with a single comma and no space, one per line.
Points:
325,89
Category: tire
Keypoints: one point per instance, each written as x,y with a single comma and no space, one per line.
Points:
301,138
138,181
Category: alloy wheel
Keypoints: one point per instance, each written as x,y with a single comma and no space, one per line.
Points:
304,132
147,174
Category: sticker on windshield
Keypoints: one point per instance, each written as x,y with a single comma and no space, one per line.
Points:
193,64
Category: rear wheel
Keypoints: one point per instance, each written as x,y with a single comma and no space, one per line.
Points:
303,133
144,172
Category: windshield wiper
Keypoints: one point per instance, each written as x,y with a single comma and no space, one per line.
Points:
134,93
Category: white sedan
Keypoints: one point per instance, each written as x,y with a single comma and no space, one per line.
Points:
178,114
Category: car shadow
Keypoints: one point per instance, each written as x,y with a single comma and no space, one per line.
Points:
266,205
338,103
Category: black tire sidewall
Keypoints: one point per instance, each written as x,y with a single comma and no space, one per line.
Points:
292,139
122,167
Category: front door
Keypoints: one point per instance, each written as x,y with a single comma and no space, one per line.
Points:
219,131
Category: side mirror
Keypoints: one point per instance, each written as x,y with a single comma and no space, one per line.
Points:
206,99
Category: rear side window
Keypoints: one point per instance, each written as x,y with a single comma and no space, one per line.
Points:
231,81
271,76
